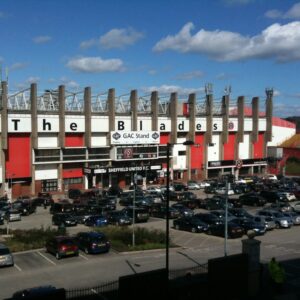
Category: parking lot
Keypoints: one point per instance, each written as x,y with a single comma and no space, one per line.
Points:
37,267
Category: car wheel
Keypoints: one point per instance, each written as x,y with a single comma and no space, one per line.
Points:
194,230
86,250
57,256
177,226
277,225
209,232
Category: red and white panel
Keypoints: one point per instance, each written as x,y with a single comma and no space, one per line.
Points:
258,147
213,149
244,148
43,172
18,160
229,147
197,152
47,141
74,140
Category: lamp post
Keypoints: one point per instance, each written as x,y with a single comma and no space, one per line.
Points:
169,145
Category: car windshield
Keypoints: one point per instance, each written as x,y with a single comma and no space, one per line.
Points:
4,251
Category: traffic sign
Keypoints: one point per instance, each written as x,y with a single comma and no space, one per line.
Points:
239,163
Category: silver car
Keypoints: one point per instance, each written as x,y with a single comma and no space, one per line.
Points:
6,258
267,221
294,216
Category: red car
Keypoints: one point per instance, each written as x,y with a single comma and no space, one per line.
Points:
62,246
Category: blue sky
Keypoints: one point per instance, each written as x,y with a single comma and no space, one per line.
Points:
161,45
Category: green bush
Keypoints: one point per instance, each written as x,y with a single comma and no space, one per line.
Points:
22,240
120,238
145,239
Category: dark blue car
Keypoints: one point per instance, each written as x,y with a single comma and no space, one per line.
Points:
96,221
93,242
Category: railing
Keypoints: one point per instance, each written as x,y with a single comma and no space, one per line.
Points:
109,290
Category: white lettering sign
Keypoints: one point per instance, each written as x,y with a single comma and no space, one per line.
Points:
134,137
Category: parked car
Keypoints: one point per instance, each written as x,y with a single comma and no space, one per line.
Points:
96,221
280,220
62,207
93,242
280,206
220,213
118,217
250,224
268,222
12,215
272,196
180,186
294,216
153,189
289,196
74,194
160,211
192,224
240,213
233,230
141,214
24,207
183,210
296,206
64,219
193,185
223,191
253,199
40,292
62,246
6,258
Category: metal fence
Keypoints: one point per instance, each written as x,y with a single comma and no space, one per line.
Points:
109,290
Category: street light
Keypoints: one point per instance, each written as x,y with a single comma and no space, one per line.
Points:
169,145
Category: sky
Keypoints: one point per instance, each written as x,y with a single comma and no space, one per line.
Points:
163,45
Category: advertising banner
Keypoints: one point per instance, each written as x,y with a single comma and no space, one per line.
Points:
134,137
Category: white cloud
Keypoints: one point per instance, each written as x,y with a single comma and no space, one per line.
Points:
223,76
278,42
70,84
18,66
167,89
95,64
292,13
152,72
276,93
42,39
120,38
32,79
115,38
190,75
88,44
286,110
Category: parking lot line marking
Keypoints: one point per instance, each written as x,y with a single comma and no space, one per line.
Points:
83,257
49,260
17,267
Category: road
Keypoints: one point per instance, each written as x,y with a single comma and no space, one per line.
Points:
34,268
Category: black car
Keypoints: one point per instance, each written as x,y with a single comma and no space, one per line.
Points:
272,196
141,214
192,224
180,186
118,217
233,230
64,219
250,224
93,242
240,213
24,207
160,211
253,199
210,219
216,203
184,210
61,207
